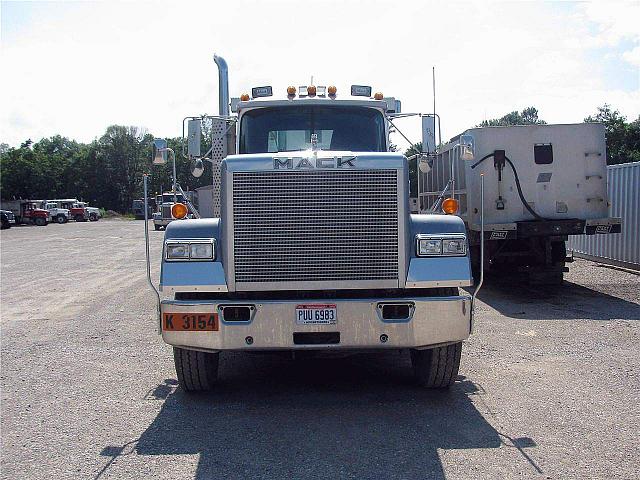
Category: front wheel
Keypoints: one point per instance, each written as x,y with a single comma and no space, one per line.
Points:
436,367
39,221
61,219
157,227
197,371
93,217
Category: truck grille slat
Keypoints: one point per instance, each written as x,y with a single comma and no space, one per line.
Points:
315,226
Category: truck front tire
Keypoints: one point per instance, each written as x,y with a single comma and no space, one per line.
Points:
61,219
197,371
437,367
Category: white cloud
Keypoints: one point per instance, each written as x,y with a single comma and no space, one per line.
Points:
76,68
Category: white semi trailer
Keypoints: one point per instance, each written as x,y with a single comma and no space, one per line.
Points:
315,247
543,183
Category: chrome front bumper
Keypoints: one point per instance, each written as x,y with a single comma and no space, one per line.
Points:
435,320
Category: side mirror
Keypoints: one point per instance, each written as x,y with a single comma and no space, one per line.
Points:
467,148
428,135
159,155
194,131
197,168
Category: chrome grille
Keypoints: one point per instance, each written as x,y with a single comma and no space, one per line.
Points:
166,211
315,226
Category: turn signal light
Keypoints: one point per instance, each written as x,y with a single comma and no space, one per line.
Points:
378,96
179,210
311,90
291,91
332,90
450,206
244,97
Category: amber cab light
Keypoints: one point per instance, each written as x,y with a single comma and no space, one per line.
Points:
311,90
291,91
332,90
450,206
179,210
378,96
244,97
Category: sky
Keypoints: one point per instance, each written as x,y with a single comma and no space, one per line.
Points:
74,68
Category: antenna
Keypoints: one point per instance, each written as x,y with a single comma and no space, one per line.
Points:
435,117
311,80
433,76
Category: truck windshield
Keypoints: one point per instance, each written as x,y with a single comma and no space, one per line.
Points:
168,198
288,129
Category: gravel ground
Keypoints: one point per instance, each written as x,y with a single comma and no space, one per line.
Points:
548,386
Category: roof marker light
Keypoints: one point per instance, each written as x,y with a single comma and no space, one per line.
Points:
311,90
244,97
378,96
332,90
291,91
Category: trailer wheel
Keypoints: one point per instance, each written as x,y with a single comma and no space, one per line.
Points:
39,221
61,219
197,371
436,367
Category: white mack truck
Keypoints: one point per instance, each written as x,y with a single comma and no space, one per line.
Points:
315,247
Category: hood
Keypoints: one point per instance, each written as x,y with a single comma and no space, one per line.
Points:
318,160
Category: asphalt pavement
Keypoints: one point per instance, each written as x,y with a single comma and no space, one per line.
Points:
549,385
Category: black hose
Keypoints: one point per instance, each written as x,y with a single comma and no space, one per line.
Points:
520,194
522,199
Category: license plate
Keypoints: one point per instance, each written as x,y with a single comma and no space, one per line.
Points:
190,322
316,314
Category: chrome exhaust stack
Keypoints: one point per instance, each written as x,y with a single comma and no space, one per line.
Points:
223,86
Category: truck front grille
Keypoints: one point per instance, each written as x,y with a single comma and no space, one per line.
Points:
315,226
166,211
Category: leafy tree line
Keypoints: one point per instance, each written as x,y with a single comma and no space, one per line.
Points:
106,172
623,138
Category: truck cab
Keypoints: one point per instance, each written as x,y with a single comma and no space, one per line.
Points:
27,211
165,211
58,215
315,248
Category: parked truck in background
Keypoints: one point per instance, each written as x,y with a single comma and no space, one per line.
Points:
58,215
80,211
137,207
165,214
315,248
27,211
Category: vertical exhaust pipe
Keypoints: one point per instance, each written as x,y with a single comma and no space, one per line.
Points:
223,86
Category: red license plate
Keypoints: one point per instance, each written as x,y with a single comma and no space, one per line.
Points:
190,322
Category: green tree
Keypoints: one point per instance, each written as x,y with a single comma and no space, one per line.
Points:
623,139
528,116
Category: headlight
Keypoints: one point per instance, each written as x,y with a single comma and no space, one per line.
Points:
185,250
429,246
454,246
201,251
441,245
177,251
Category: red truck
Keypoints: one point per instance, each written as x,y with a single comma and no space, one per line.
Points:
27,211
